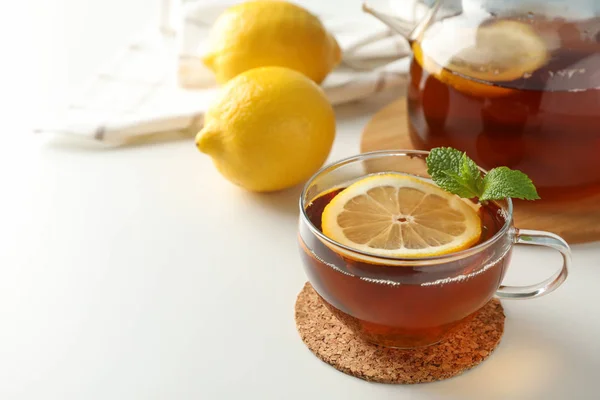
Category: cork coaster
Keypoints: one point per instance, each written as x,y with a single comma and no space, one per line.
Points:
336,345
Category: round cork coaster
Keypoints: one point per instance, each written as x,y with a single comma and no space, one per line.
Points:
335,344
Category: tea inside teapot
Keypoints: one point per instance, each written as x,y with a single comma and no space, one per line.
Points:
513,83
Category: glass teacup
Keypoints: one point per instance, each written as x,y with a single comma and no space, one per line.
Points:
408,303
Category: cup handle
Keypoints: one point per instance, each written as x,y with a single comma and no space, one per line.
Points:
546,239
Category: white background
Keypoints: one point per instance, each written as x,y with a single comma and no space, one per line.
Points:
140,273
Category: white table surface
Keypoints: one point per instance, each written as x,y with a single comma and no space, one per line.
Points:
140,273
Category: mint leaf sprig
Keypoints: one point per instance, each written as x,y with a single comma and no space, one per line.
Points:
455,172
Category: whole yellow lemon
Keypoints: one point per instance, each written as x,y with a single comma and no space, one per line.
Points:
270,128
270,33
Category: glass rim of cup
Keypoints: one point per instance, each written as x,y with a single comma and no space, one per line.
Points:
377,259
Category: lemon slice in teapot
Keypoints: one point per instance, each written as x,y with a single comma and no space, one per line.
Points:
501,51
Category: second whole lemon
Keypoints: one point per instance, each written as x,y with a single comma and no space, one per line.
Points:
271,128
270,33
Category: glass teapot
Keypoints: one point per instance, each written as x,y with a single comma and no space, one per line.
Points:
511,82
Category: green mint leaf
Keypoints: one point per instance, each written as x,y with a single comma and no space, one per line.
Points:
472,174
503,182
454,172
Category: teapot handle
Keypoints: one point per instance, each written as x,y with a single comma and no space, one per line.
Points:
396,24
407,27
428,10
398,27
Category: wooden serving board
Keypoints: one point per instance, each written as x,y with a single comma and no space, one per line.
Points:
577,221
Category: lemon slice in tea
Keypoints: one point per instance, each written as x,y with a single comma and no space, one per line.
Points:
502,51
397,215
